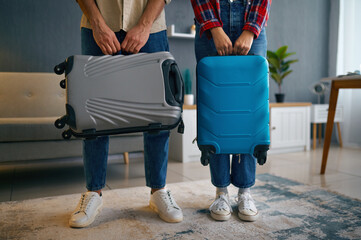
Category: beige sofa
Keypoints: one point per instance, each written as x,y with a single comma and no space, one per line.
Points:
29,105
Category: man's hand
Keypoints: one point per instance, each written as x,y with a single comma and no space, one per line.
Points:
221,41
244,43
103,35
106,39
138,36
135,39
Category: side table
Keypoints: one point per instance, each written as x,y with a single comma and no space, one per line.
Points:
336,84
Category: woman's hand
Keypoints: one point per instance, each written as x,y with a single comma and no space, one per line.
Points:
244,43
221,41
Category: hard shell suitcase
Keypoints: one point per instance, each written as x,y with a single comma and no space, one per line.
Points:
233,106
121,94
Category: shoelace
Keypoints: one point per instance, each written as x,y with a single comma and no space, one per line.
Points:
247,199
168,198
83,203
223,203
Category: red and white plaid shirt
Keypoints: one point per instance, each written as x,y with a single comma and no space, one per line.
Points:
207,13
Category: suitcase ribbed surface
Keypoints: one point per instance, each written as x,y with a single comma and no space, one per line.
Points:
120,93
232,103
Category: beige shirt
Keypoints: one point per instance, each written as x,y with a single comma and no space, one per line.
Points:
124,14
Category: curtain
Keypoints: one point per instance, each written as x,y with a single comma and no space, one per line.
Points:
349,60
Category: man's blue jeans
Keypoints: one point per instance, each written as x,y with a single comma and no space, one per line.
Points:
243,172
95,151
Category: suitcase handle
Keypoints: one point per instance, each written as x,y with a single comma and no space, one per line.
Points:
178,95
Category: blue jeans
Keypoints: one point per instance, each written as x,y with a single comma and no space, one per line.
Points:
95,151
242,173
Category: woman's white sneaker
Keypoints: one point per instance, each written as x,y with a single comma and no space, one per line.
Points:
163,203
221,208
247,210
87,209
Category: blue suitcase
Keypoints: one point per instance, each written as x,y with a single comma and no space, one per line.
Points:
233,106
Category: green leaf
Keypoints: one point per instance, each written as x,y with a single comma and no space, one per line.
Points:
286,74
277,78
285,68
291,61
274,62
281,52
288,54
271,54
272,69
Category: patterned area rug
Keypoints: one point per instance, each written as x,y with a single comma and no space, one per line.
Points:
289,210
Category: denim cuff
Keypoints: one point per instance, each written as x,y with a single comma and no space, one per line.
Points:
243,186
96,188
220,185
155,186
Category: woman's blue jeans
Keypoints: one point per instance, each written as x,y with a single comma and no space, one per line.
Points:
95,151
242,173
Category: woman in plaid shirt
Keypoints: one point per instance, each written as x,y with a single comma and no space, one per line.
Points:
225,27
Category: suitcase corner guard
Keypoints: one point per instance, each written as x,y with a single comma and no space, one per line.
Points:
260,152
206,152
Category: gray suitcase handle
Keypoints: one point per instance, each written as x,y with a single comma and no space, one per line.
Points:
179,85
174,85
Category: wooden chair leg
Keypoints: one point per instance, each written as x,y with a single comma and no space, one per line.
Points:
314,135
329,126
339,134
126,157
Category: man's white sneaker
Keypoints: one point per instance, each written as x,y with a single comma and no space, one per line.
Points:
221,208
88,208
163,203
247,210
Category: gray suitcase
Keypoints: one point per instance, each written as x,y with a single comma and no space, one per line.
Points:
109,95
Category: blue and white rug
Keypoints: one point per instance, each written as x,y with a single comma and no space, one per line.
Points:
288,210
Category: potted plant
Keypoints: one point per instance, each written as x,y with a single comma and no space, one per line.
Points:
188,96
279,68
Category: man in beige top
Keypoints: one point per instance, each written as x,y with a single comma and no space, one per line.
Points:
124,27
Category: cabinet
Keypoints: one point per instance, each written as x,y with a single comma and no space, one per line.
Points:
181,147
290,127
319,113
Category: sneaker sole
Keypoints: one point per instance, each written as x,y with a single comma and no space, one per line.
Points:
248,218
164,218
219,217
90,221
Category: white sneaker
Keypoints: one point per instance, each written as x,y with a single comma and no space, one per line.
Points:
163,203
247,210
221,208
88,208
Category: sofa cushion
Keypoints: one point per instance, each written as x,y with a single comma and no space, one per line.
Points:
29,129
31,95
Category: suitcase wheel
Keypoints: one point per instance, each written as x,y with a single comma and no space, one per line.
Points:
60,68
261,158
67,134
60,122
205,159
62,83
